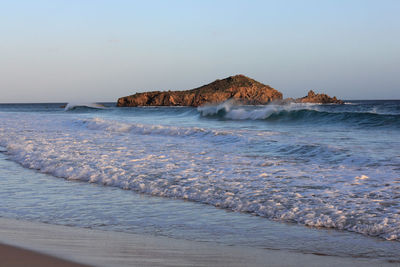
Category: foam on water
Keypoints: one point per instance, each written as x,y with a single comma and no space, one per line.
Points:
140,128
278,175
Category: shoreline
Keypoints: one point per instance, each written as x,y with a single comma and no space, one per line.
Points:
106,248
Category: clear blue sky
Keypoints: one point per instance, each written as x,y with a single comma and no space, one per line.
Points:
96,50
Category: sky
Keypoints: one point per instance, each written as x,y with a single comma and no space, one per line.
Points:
94,50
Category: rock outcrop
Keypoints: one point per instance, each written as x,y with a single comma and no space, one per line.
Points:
318,98
238,88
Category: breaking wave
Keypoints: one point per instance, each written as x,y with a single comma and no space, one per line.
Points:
83,106
149,129
300,113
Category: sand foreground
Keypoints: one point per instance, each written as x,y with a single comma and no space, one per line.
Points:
106,248
16,257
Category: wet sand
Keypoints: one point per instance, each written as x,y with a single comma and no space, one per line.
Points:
106,248
17,257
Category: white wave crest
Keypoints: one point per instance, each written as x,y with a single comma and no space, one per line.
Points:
229,110
148,129
73,105
209,110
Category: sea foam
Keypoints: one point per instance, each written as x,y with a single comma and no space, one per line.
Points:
238,169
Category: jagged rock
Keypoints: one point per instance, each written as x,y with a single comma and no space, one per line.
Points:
318,98
239,88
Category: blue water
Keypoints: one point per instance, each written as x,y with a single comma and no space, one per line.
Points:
240,175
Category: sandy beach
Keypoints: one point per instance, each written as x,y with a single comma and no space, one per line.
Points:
17,257
106,248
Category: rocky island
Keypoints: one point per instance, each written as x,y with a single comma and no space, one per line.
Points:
239,88
318,98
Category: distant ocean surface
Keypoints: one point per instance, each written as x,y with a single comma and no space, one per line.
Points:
270,171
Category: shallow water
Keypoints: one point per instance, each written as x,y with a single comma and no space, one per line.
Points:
335,167
30,195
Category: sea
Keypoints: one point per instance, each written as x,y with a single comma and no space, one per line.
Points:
310,178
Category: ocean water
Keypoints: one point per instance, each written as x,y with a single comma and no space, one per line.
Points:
305,177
